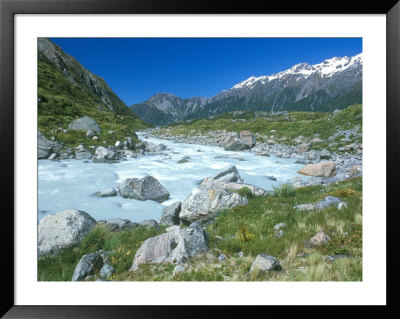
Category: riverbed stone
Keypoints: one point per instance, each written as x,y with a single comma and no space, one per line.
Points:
85,123
143,189
170,214
107,192
83,155
105,153
235,144
173,247
62,230
322,169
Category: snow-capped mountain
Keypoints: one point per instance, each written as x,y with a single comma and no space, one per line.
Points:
334,83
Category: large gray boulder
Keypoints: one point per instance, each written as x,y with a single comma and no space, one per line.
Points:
203,204
170,214
44,147
63,230
229,175
173,247
84,123
143,188
88,265
235,144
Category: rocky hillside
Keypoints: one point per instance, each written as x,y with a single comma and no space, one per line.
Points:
333,84
68,91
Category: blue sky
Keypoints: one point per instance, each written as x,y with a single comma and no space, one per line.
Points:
137,68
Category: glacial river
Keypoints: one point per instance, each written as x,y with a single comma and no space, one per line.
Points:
71,183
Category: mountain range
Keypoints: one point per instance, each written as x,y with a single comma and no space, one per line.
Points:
333,84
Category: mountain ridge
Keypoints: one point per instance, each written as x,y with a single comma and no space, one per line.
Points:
333,83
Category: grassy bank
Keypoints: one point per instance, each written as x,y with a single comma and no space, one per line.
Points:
248,229
287,127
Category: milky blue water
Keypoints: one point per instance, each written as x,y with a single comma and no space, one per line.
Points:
71,183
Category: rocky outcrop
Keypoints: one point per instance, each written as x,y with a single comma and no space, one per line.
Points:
326,202
175,247
85,123
231,186
265,263
143,188
322,169
203,204
170,214
44,147
63,230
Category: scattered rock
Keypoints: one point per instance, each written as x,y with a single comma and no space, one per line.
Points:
170,214
85,123
322,169
265,263
90,133
279,226
143,188
83,155
52,156
305,207
178,270
332,258
341,205
317,240
182,161
240,254
327,202
87,266
63,230
106,192
117,224
221,257
106,271
174,247
105,153
272,178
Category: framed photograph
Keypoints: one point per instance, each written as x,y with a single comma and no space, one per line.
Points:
190,154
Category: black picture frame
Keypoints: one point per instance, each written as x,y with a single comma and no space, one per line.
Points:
9,8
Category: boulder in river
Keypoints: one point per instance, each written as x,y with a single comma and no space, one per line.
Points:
44,147
322,169
170,214
83,155
107,192
248,138
63,230
85,123
173,247
204,205
235,144
229,175
143,188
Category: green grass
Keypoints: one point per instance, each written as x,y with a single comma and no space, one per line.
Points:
306,124
248,229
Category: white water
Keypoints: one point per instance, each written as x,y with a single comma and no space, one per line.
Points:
71,183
